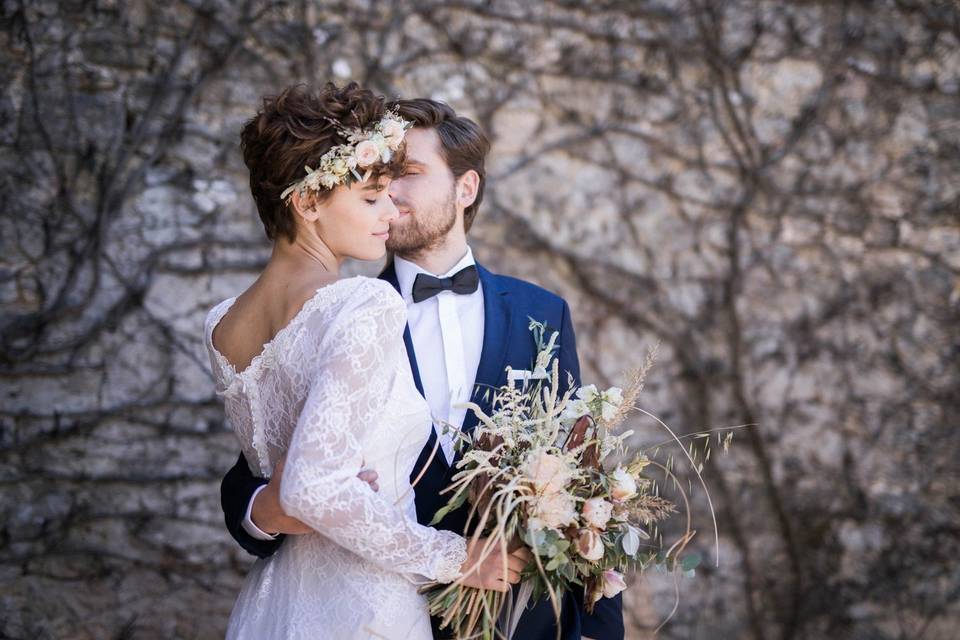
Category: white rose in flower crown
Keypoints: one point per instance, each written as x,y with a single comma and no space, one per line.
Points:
549,473
597,513
367,153
623,486
555,510
590,545
393,133
613,583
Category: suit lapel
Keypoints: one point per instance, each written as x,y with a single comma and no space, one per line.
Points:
412,356
496,337
493,355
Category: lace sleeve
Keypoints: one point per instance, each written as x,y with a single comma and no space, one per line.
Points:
358,360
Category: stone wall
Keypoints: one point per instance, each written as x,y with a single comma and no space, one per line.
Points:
768,189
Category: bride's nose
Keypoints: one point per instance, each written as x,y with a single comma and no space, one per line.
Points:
390,211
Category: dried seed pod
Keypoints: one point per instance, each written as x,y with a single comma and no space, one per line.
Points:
578,435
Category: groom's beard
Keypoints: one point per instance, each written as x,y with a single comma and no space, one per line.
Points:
423,231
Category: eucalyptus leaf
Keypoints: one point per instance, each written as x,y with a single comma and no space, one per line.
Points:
459,499
690,562
537,538
455,503
630,542
440,514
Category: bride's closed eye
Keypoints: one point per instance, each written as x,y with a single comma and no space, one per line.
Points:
377,192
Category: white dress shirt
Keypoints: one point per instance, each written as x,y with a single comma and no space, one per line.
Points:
447,333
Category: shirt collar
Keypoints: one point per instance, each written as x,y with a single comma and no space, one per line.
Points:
408,271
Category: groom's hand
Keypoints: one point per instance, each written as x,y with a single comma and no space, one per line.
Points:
269,516
494,568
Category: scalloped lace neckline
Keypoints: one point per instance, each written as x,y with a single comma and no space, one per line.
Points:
270,345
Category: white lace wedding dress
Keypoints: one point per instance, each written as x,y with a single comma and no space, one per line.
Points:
334,390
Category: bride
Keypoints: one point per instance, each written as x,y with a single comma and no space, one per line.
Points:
314,375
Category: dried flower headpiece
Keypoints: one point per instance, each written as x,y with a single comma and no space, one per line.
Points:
364,148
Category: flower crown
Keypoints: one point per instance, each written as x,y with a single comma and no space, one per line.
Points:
364,148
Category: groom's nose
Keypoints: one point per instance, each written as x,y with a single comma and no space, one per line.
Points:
392,190
396,196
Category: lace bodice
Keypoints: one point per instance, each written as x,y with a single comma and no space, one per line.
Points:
333,390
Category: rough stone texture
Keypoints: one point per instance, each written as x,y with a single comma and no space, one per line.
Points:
769,189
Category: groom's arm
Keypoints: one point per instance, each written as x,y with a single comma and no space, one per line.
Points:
606,621
236,494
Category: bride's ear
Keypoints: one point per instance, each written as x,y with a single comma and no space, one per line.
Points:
305,207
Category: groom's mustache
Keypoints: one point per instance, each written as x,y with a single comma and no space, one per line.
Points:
402,205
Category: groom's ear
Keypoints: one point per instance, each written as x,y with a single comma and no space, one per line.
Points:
467,186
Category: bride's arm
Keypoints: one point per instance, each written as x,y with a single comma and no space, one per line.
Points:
357,360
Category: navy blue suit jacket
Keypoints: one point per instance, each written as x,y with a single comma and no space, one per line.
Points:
509,304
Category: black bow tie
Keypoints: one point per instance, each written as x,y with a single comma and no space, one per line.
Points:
464,281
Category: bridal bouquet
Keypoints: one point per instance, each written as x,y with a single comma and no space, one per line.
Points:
549,472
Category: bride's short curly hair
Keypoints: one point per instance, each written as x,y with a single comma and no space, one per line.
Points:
292,131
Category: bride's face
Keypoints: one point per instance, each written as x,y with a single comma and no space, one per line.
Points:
354,222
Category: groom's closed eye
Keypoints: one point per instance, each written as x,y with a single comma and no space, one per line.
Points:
413,168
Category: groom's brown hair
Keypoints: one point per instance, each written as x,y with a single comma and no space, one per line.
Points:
463,143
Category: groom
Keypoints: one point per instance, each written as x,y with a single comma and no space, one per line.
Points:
465,326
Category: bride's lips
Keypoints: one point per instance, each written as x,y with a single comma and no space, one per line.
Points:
383,235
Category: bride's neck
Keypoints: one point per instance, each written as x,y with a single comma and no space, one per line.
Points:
305,255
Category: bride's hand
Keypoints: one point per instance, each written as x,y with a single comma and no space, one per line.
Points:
485,570
269,516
